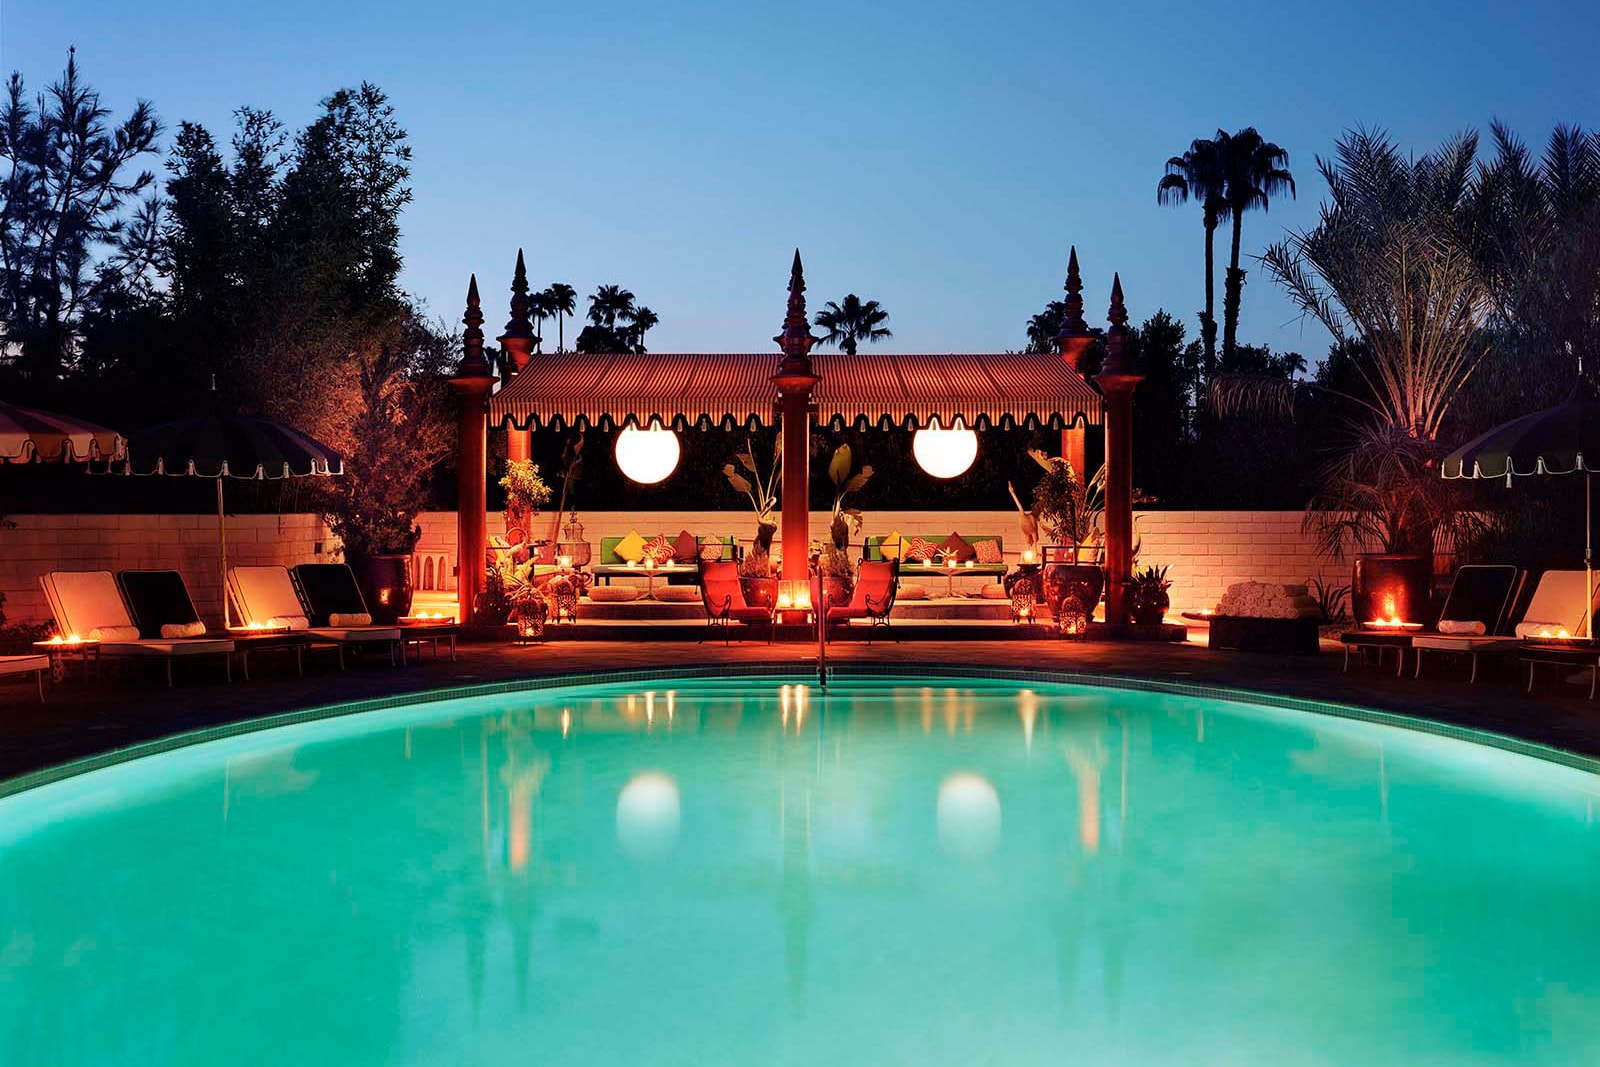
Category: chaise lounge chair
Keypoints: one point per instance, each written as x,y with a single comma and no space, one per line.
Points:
269,595
160,604
876,585
89,603
723,597
38,666
1479,604
1556,610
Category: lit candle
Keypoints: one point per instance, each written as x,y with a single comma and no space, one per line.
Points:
565,562
967,564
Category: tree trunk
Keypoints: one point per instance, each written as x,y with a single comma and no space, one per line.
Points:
1231,291
1208,318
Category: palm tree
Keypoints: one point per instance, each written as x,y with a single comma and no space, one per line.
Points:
1043,327
640,320
852,321
608,304
1199,174
561,300
1256,171
538,310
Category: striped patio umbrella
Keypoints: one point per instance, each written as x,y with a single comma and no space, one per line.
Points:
1564,439
220,447
27,435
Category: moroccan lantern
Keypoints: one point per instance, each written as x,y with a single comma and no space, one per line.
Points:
1073,618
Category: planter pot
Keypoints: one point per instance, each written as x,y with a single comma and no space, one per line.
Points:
1086,579
1148,610
838,591
385,582
1385,584
759,592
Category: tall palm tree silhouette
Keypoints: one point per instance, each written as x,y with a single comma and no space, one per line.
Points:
852,321
561,300
1256,171
640,321
1200,174
608,304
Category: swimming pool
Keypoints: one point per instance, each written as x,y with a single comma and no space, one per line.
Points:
925,871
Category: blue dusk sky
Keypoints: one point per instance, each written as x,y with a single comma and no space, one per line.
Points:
938,157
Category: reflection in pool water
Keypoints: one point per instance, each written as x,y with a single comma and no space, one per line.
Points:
750,872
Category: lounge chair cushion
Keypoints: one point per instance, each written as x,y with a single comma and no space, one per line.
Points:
23,664
330,589
265,594
1469,627
157,600
631,548
356,633
184,646
1558,603
343,620
1463,642
82,601
107,634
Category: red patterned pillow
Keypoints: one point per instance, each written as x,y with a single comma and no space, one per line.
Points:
659,550
919,550
989,551
955,547
711,551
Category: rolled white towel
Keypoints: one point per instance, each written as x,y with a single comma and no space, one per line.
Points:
172,631
1470,627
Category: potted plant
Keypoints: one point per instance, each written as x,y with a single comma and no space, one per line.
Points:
834,565
397,434
761,488
526,492
1068,511
1147,595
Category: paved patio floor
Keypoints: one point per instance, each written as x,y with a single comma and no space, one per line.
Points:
83,718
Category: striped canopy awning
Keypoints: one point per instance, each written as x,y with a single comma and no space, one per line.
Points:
27,435
735,389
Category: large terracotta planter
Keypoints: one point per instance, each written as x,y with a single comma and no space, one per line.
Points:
385,583
1086,579
1397,584
759,592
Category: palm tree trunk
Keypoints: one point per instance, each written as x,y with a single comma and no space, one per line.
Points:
1231,291
1208,318
561,331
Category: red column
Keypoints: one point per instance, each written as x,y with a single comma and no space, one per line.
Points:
472,383
1118,381
795,380
796,532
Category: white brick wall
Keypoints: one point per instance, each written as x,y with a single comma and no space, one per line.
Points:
1206,550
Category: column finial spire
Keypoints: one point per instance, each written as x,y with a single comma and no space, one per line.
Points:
472,364
1119,359
519,325
796,339
1072,323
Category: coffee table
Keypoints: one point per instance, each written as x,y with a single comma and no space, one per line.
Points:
416,631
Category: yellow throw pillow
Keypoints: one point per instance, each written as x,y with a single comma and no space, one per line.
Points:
631,548
889,547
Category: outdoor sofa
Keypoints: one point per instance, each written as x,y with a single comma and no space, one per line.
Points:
271,596
90,604
612,564
899,544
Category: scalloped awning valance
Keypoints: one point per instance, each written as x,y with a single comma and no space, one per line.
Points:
735,389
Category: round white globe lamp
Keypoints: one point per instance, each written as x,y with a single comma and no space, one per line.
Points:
945,453
647,456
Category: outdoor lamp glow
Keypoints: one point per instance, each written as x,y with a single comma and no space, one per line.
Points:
647,456
945,453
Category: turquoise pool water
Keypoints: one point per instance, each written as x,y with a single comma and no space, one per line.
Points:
743,872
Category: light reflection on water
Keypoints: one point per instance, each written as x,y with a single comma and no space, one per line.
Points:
761,873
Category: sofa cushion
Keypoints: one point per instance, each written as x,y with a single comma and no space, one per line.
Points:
712,551
889,547
659,549
686,549
955,547
920,550
988,551
631,548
